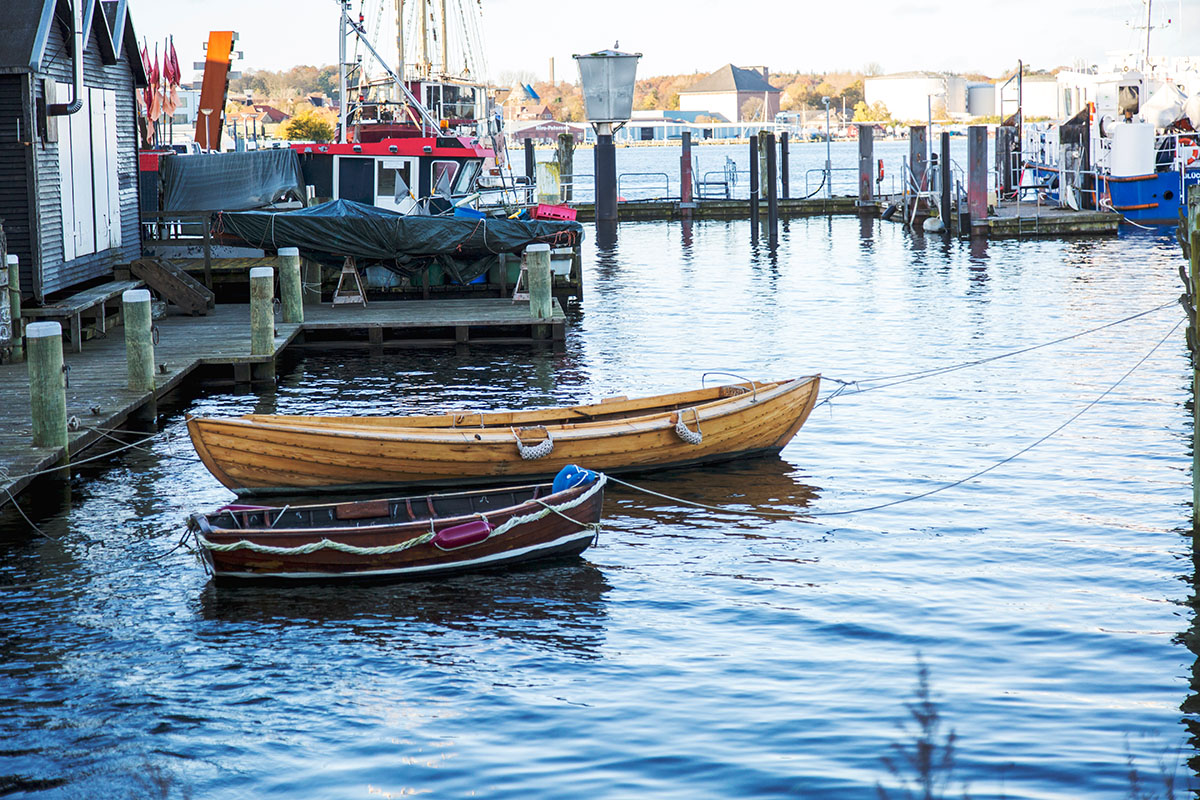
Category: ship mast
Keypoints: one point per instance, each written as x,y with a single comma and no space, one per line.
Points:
1146,59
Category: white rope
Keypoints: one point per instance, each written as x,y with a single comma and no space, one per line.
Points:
540,450
682,431
326,544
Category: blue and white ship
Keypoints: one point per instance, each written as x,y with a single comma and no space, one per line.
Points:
1130,142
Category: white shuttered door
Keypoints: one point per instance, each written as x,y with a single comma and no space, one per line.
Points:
99,168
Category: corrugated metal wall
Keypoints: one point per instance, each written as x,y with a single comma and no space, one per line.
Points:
55,275
15,177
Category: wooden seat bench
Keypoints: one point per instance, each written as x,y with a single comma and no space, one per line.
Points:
100,306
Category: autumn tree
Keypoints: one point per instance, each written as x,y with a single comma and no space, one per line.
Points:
751,109
876,112
309,126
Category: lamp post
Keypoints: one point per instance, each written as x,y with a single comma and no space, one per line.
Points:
207,112
828,160
607,77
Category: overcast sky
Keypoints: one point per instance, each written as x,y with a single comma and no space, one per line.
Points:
696,36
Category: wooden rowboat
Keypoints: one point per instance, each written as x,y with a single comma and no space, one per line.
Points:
404,538
260,453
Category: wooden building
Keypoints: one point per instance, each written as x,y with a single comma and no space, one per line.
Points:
68,181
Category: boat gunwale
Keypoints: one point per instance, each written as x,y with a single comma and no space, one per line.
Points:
503,511
726,406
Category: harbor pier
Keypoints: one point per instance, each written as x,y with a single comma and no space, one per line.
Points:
216,349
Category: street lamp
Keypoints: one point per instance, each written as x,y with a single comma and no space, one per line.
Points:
207,112
607,77
828,161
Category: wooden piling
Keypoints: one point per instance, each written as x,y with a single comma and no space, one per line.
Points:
945,181
537,266
310,284
290,294
785,179
47,385
14,305
262,312
530,166
1191,229
753,180
772,192
977,178
866,165
566,165
685,174
762,161
139,339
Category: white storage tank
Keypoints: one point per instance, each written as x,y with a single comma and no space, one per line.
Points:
1132,149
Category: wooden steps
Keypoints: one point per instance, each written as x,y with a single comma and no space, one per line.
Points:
174,285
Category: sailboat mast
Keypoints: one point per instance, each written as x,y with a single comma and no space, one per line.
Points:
1149,5
424,38
343,94
400,37
445,46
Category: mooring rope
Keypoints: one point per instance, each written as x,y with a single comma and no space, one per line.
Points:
908,377
936,490
327,544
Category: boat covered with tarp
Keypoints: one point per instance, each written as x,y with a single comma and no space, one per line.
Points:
404,243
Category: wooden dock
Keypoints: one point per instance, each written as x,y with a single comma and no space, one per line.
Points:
98,400
709,208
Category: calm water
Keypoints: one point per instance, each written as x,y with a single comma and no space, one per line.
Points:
646,172
692,653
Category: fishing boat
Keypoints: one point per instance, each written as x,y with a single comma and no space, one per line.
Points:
1129,140
263,453
399,538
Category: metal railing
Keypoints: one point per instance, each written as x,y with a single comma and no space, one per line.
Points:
666,184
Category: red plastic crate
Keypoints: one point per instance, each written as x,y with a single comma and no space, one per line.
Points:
545,211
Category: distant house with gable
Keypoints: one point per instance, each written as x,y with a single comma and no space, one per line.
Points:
726,91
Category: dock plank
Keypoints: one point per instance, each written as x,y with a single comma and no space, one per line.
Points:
98,398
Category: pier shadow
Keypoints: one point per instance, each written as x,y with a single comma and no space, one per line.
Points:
559,604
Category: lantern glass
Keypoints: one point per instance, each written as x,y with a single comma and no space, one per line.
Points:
608,77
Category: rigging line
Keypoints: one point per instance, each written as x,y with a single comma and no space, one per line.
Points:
953,367
1023,450
12,498
933,491
97,457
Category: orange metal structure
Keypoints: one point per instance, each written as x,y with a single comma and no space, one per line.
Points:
214,88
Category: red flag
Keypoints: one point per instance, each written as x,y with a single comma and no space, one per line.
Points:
176,74
146,93
155,77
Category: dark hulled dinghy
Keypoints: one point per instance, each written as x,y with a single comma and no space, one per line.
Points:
403,538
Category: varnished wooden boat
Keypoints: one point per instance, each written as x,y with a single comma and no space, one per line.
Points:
260,453
404,538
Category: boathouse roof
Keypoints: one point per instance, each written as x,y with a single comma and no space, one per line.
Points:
731,79
26,26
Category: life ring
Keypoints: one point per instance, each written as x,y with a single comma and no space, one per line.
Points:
1188,152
